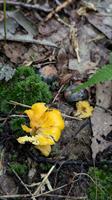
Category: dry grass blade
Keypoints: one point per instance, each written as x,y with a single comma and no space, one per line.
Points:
44,181
74,41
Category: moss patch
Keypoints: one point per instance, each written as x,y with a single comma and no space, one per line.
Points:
103,189
26,87
20,169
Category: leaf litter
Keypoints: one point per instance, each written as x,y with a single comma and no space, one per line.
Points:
77,50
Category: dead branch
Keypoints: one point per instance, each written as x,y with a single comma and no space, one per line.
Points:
47,195
27,6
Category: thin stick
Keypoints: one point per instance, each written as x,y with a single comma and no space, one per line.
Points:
21,181
19,104
27,6
70,117
58,93
46,195
8,115
44,180
58,9
26,106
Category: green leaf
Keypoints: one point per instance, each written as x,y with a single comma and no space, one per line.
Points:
101,75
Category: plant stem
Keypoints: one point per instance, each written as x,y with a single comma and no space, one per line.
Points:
5,27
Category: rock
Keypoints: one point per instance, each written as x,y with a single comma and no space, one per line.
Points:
7,185
6,72
48,73
31,175
72,96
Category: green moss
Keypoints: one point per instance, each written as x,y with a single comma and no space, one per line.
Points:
26,87
20,169
15,125
45,166
104,184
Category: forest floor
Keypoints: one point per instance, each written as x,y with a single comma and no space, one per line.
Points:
64,43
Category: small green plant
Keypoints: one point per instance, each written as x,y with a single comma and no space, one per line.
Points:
15,125
20,169
101,75
5,21
25,87
103,187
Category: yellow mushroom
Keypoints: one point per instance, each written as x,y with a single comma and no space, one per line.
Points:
84,110
45,128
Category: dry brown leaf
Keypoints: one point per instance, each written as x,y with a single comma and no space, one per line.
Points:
65,78
15,52
101,120
62,60
102,23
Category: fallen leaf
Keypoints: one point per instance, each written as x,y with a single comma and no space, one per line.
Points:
101,120
102,23
15,52
62,60
24,22
11,27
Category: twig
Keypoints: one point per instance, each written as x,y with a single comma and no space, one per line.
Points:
71,187
44,180
26,39
104,14
70,117
28,6
58,9
11,116
46,195
61,21
5,120
99,37
58,93
73,36
94,181
74,41
19,104
21,181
